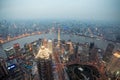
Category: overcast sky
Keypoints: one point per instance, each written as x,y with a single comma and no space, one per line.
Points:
60,9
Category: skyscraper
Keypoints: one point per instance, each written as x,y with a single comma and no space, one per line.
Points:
108,52
58,45
3,70
44,43
70,47
113,65
44,64
91,45
50,46
16,47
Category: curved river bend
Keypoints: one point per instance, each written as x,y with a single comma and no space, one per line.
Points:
100,43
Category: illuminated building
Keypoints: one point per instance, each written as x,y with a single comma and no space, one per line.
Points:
11,56
43,53
35,47
26,46
8,38
114,63
50,46
16,47
44,43
58,45
10,51
1,40
44,64
15,72
70,47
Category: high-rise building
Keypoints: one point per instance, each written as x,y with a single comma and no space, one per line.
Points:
70,47
4,75
93,55
44,64
2,52
12,65
108,52
44,69
50,46
76,49
114,63
91,45
15,72
44,43
10,52
16,47
58,45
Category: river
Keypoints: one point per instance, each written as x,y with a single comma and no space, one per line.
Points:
99,43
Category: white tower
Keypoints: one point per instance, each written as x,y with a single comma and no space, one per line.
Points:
50,46
58,45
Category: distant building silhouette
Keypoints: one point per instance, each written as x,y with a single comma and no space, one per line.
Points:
91,45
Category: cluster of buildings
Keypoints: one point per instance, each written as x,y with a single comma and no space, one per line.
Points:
19,61
11,29
59,59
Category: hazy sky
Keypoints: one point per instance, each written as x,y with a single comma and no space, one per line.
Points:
60,9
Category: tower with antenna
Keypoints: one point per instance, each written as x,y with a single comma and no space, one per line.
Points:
58,45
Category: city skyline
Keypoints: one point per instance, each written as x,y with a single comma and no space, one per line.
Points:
104,10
